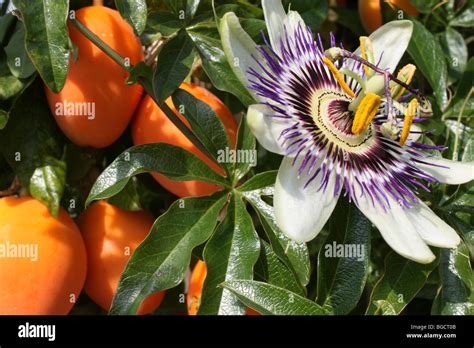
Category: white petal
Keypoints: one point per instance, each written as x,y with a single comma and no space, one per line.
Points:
275,16
239,48
390,42
302,212
431,228
265,128
450,172
396,229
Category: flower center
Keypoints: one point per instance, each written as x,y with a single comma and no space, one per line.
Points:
329,110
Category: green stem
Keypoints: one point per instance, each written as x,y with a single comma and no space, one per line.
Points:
101,44
147,85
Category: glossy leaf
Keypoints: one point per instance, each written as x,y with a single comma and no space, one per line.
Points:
128,198
47,183
215,63
465,18
428,56
247,153
294,255
343,261
169,160
456,295
401,281
205,124
271,269
455,50
134,12
259,181
17,58
161,260
174,64
269,299
165,23
31,143
47,40
230,254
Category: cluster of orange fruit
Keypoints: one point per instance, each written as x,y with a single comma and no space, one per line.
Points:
92,254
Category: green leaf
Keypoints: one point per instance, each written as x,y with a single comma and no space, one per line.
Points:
465,18
424,6
165,23
6,22
205,124
270,299
464,86
428,56
184,8
47,183
215,63
174,64
10,86
455,50
128,198
456,295
47,40
271,269
4,115
343,262
17,58
134,12
259,181
314,13
161,260
230,254
246,150
169,160
294,255
31,143
401,281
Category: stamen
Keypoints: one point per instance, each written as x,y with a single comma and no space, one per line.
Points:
366,112
407,122
406,75
335,72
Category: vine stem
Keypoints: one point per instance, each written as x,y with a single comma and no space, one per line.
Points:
125,64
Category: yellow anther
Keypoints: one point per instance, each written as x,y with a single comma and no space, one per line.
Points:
364,55
408,120
405,75
338,77
366,112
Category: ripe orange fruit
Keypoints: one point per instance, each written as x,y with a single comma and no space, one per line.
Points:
95,105
370,12
193,297
151,125
42,259
111,235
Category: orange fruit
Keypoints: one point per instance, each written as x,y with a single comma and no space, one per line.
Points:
42,259
111,235
95,105
151,125
196,283
370,12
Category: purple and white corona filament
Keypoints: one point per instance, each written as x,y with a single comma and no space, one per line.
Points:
332,114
